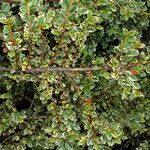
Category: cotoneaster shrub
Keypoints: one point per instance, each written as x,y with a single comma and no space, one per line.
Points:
74,74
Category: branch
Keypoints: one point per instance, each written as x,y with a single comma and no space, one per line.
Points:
11,136
136,64
42,70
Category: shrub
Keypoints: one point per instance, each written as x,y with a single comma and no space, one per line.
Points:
74,73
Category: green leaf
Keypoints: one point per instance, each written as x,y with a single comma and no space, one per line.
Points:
103,139
16,138
115,126
65,4
133,53
61,147
128,33
108,135
5,7
148,68
5,96
51,78
90,141
12,54
50,14
55,32
73,34
33,2
118,141
110,143
138,45
1,128
68,146
106,75
17,117
113,7
83,140
114,63
137,93
3,19
136,85
125,31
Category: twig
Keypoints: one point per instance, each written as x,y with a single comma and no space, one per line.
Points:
42,70
12,136
71,80
135,64
31,105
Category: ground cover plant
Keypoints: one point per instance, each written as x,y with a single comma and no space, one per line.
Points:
74,74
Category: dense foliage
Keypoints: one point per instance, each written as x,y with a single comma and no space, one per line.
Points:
74,74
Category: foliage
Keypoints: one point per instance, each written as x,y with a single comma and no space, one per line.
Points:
75,74
143,145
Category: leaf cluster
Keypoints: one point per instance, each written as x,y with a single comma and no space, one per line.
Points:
74,74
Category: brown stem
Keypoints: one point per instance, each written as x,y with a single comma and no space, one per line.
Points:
12,136
58,69
13,44
136,64
62,34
